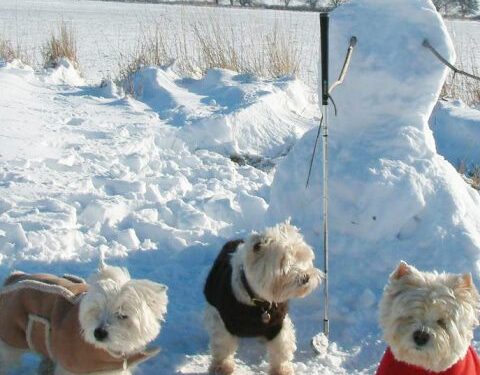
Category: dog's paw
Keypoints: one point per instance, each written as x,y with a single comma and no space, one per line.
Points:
46,367
285,368
222,368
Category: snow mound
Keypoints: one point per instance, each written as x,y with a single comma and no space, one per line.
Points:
17,67
64,73
392,196
456,129
108,89
228,112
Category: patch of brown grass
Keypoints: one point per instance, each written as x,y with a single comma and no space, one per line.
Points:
203,45
224,48
460,87
62,44
10,52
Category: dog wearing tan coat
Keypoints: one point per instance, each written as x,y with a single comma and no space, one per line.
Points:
97,328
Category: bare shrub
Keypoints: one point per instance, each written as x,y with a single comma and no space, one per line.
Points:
336,3
218,48
62,44
10,52
152,49
282,53
277,55
7,52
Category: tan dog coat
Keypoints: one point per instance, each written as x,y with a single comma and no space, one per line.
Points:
41,313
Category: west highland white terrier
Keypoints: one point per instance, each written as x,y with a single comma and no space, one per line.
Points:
248,289
428,320
100,327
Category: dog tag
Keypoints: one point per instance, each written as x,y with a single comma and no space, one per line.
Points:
266,317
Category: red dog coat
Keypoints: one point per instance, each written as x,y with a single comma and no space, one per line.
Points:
470,365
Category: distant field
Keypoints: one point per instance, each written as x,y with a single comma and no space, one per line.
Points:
105,29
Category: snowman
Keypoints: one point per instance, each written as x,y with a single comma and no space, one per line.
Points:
392,196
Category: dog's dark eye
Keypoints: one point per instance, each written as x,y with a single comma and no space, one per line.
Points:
257,247
442,323
122,316
305,279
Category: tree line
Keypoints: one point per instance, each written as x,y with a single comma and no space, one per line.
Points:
457,7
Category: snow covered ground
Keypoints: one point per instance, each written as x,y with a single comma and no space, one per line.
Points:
161,181
105,29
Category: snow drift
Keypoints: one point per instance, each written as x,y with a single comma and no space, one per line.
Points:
457,130
392,196
229,113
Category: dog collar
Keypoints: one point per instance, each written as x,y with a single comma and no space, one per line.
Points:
121,356
264,305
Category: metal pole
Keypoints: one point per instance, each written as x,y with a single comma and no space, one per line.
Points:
324,23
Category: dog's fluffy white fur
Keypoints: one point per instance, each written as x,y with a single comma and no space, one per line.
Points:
442,307
276,273
129,311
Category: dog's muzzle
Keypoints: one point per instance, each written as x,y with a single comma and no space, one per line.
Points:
100,334
421,338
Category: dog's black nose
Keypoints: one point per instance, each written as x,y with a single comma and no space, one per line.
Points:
421,338
305,279
100,334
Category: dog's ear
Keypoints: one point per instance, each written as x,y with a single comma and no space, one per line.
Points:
119,275
403,269
256,242
465,281
154,294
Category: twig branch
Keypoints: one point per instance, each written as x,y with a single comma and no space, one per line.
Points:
437,54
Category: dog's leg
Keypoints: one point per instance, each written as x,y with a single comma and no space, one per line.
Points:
9,357
222,344
46,367
281,350
60,371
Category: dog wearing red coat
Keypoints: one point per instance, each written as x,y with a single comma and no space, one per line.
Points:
428,320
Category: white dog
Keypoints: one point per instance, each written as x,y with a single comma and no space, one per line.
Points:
248,289
428,321
101,327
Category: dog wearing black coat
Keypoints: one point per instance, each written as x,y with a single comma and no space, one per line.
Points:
247,293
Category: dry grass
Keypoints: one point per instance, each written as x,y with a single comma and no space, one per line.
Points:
62,44
10,52
471,172
475,177
464,88
200,46
151,49
220,47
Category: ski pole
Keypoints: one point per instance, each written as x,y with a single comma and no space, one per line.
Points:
324,26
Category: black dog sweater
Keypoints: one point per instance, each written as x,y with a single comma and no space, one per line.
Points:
240,320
